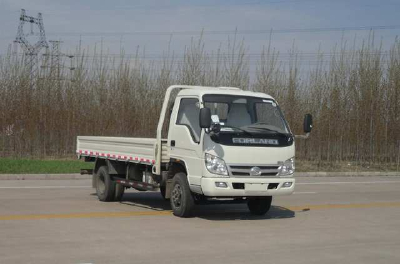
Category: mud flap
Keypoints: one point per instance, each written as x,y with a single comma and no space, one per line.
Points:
168,188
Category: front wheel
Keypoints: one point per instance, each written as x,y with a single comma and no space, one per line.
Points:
259,205
181,200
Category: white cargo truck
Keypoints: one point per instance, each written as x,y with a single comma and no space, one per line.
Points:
221,144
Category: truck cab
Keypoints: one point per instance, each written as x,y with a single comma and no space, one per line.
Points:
246,150
232,143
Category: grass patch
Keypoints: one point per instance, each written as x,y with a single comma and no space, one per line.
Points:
32,166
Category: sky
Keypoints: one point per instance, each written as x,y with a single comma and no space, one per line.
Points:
149,24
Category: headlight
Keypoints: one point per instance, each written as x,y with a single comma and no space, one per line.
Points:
215,165
287,168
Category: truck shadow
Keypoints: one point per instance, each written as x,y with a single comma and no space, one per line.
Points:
240,212
215,212
147,200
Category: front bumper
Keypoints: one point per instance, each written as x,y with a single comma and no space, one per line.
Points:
242,187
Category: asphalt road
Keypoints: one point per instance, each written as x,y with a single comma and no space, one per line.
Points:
327,220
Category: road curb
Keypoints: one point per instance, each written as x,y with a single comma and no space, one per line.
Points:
44,177
297,174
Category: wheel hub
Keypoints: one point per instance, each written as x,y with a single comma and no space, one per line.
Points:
177,196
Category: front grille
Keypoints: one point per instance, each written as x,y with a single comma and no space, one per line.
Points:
238,170
237,167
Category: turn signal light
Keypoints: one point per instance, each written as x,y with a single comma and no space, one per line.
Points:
221,185
286,185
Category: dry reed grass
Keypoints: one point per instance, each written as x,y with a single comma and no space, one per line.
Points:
354,98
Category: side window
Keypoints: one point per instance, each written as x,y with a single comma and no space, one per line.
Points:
188,115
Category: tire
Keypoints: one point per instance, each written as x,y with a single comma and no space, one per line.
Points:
162,192
259,205
105,187
119,192
181,200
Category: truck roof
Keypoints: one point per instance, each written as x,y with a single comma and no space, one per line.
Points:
201,90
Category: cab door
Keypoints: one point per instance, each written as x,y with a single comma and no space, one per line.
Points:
185,135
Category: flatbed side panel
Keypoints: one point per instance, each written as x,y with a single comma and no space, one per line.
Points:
118,148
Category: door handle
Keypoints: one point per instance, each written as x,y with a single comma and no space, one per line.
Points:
172,143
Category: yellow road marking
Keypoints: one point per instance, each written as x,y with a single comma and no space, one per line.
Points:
159,213
343,206
82,215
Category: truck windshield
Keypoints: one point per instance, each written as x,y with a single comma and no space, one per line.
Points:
245,113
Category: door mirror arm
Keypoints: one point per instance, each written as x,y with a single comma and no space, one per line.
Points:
305,136
307,126
215,128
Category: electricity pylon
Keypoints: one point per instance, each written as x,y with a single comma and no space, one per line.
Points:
31,51
55,59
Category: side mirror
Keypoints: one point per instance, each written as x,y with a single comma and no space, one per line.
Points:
307,123
205,117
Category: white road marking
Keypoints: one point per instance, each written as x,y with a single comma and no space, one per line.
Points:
328,183
79,187
44,187
299,183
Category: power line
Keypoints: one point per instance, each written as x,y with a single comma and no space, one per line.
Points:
227,32
221,4
251,57
160,55
159,6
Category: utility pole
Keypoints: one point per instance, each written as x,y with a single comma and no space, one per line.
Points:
31,51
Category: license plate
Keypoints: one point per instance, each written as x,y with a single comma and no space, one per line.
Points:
255,186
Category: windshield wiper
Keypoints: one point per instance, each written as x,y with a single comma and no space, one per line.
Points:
264,128
237,128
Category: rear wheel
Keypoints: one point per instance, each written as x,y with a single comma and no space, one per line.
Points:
105,187
259,205
182,202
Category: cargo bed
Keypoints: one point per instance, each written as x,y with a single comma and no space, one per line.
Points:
137,150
